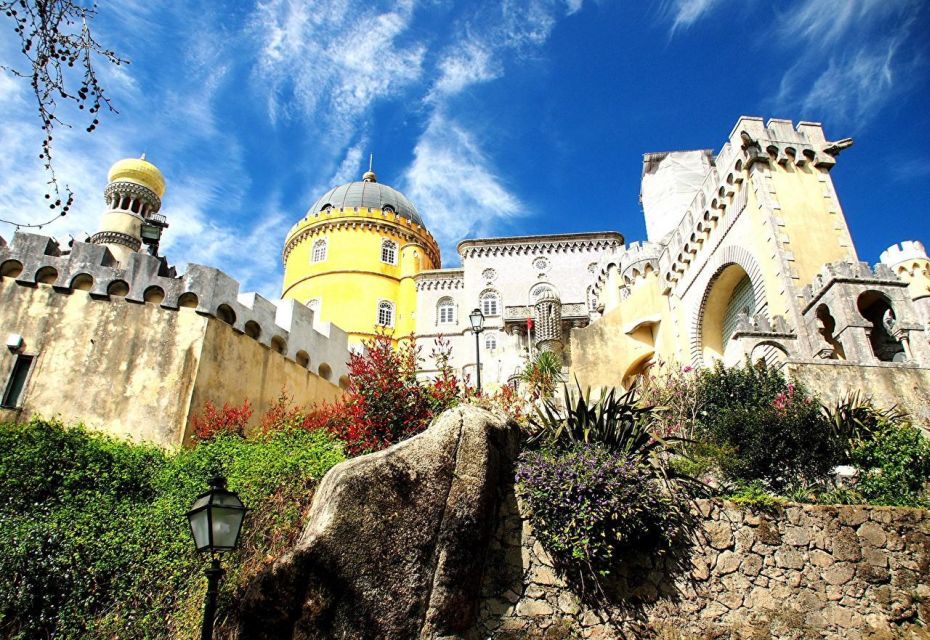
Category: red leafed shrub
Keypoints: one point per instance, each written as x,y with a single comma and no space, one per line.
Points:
385,402
229,419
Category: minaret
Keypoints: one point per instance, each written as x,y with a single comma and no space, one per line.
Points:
133,197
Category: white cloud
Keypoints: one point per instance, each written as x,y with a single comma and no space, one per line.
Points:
333,60
468,64
455,187
863,69
684,13
819,22
349,167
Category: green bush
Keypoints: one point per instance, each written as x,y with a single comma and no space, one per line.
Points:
894,464
772,430
93,538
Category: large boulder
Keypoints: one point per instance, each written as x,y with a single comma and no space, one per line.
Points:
395,542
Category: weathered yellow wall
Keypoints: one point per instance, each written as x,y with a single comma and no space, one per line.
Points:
124,368
139,371
234,368
811,227
603,353
887,384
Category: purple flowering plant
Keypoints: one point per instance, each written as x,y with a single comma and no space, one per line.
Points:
588,503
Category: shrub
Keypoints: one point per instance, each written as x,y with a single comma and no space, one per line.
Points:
673,391
93,538
587,503
542,374
773,428
212,421
854,419
894,464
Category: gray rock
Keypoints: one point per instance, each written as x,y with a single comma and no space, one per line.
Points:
395,541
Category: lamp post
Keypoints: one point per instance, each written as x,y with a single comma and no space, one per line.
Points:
477,325
216,522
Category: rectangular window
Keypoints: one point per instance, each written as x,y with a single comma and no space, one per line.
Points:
446,314
489,306
17,382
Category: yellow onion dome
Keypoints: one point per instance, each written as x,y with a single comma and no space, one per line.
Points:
139,171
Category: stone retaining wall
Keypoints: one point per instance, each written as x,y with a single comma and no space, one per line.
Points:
793,571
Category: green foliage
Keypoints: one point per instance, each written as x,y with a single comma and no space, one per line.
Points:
600,482
855,419
894,464
542,374
93,538
774,428
613,420
754,494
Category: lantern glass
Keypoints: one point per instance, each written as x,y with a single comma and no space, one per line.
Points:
216,518
200,528
477,320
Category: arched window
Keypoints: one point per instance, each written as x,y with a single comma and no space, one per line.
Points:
876,308
541,290
445,311
490,342
319,250
389,251
742,302
386,313
490,303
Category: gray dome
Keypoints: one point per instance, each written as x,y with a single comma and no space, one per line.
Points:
367,193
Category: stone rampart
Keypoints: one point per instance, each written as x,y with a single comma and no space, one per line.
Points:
791,571
284,326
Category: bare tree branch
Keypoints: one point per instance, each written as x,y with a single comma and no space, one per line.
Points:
60,51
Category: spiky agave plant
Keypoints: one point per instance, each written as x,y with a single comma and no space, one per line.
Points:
615,420
854,418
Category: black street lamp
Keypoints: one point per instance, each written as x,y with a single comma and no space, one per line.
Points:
477,325
216,522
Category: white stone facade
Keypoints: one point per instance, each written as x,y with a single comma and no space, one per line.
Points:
516,272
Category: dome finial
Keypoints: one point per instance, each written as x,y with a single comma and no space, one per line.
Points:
369,176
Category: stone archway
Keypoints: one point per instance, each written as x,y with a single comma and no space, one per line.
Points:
733,267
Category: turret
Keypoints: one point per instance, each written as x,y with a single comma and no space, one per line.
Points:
133,198
909,262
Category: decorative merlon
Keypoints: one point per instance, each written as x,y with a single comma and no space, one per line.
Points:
903,252
860,272
283,325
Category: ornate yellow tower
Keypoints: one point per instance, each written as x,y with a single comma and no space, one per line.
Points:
352,259
133,195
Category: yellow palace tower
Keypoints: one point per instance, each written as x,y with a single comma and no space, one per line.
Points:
353,257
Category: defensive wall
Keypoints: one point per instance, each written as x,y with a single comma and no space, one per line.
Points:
136,350
789,571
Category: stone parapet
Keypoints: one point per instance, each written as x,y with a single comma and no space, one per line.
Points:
283,325
857,272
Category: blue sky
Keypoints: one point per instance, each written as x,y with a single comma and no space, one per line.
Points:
520,117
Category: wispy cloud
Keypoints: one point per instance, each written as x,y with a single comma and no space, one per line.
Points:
451,173
454,182
823,23
856,71
684,13
332,60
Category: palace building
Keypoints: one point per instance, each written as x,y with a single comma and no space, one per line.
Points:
747,255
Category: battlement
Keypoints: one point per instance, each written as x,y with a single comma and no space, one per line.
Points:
760,324
751,141
859,272
903,252
637,258
284,326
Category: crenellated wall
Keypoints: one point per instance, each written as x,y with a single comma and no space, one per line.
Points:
136,350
